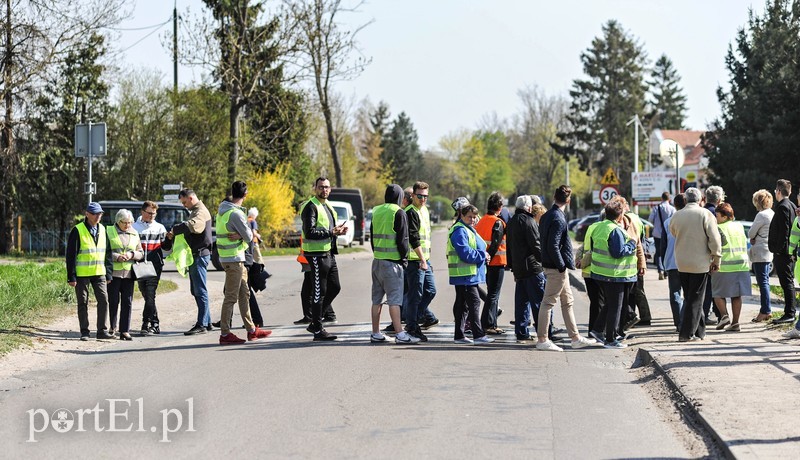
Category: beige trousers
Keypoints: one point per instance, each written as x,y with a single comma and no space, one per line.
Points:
236,290
557,287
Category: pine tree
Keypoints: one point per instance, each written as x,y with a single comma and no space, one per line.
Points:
755,141
613,92
401,153
666,98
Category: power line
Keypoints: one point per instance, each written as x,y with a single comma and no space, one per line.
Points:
122,29
149,34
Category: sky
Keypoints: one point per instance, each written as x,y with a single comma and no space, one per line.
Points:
449,64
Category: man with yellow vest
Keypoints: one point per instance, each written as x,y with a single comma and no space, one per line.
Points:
389,230
233,238
319,247
419,274
492,229
87,256
614,267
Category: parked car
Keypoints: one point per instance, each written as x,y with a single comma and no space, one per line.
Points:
168,215
292,237
352,196
344,215
367,224
580,227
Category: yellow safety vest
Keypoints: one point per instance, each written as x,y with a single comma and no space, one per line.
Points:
734,252
227,247
424,232
384,238
455,266
90,260
116,245
603,263
322,222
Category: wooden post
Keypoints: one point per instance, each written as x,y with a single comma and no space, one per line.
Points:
19,233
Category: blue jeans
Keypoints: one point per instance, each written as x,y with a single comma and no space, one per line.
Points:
761,270
659,256
421,291
675,297
528,292
197,286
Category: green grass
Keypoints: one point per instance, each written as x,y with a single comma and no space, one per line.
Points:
164,286
34,294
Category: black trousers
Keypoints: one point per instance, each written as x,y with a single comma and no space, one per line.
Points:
692,318
324,287
637,298
99,286
148,289
467,305
494,281
610,316
596,301
784,268
120,297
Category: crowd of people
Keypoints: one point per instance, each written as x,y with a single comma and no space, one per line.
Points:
701,250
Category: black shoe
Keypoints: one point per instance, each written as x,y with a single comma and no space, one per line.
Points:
710,322
785,319
145,331
103,335
112,332
419,335
303,320
429,324
630,323
323,335
125,336
196,329
643,323
329,320
210,327
499,312
310,328
217,324
155,328
512,322
389,329
524,338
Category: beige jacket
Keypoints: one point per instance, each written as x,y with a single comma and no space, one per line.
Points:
697,240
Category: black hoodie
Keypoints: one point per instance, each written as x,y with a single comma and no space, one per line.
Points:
394,195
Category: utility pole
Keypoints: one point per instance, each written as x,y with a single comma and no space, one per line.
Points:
175,48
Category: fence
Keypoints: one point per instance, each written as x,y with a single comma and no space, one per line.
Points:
44,241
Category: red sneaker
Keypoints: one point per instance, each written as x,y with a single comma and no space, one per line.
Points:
258,334
230,339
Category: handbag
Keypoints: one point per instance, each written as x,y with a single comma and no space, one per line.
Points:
144,270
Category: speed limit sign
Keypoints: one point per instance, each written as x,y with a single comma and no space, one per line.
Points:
607,193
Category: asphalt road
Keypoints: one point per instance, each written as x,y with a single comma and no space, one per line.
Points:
289,397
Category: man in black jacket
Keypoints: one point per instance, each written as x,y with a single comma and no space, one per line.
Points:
778,242
524,258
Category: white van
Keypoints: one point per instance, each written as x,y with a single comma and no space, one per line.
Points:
344,214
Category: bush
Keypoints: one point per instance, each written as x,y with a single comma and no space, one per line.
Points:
272,194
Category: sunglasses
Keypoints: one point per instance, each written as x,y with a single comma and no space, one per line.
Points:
152,213
422,197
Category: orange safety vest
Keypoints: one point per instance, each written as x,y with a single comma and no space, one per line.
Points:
484,229
301,257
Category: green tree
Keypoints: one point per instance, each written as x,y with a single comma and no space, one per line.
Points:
401,153
754,142
602,103
473,169
666,98
52,178
499,173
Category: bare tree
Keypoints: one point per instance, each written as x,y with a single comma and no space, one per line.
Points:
326,52
37,36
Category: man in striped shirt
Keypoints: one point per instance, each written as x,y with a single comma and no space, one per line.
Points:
152,234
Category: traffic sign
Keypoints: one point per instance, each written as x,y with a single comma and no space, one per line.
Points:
97,142
607,193
167,187
610,178
169,198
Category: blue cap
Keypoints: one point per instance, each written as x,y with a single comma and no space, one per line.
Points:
94,208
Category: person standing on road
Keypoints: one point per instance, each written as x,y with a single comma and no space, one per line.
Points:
759,253
87,256
493,231
593,289
673,277
466,265
732,280
389,241
524,258
197,232
557,258
125,249
697,253
319,247
614,266
713,197
778,243
233,238
637,299
659,216
152,235
419,274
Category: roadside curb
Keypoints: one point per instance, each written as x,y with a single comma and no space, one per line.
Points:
644,357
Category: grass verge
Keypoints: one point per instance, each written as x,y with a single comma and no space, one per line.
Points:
33,294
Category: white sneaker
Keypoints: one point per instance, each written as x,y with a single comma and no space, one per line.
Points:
464,341
548,346
792,334
374,338
582,342
405,337
484,339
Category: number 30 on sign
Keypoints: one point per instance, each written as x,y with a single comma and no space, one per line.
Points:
607,193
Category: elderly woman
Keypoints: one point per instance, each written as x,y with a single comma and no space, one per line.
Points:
759,253
125,249
733,278
466,265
